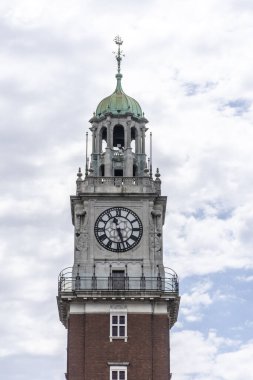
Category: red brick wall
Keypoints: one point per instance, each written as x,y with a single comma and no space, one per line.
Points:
89,347
76,346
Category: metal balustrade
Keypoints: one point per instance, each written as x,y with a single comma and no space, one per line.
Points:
68,283
98,288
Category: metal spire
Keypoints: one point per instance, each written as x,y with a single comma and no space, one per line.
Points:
118,41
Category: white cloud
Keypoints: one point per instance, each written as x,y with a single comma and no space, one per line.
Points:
29,331
209,239
192,304
203,357
236,365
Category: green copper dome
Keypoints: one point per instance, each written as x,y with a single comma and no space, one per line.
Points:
118,103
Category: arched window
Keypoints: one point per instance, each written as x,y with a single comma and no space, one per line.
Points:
103,139
118,136
133,139
102,170
134,170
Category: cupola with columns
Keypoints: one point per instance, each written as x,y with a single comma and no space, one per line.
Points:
118,133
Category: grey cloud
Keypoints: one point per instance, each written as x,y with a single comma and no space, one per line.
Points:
240,106
23,40
192,88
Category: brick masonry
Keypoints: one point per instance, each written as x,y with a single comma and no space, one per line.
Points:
90,350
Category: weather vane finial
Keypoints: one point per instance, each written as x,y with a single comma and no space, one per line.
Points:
119,54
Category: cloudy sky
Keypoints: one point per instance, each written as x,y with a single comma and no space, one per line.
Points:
189,64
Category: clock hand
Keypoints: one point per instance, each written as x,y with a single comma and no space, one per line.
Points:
120,235
115,220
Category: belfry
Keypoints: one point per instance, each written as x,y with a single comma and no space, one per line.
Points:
118,301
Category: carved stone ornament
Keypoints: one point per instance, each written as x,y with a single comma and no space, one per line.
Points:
118,307
155,231
80,242
81,219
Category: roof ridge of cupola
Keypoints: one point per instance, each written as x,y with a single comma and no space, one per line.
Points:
119,103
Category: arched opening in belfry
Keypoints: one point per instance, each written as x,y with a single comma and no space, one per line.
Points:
118,136
103,139
133,139
134,170
102,170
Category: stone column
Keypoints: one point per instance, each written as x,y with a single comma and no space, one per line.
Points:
143,130
93,130
138,140
128,132
128,163
109,132
108,163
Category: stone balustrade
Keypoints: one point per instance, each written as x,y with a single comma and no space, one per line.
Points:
118,184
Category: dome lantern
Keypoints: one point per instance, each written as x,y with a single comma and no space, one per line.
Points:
119,103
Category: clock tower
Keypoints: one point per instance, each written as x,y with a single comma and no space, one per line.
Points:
118,301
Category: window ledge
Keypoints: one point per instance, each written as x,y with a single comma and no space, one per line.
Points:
118,338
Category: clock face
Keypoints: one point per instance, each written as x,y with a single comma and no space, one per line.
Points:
118,229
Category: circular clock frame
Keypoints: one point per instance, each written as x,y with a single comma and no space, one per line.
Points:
118,229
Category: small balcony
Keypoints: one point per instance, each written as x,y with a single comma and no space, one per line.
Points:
113,284
118,287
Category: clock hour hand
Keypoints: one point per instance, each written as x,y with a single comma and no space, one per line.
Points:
120,235
115,220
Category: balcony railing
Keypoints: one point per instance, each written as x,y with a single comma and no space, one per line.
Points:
67,284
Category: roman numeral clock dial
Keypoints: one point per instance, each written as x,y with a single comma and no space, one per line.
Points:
118,229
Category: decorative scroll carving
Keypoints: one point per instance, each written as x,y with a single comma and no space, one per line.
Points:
81,219
156,231
81,235
118,307
81,242
108,122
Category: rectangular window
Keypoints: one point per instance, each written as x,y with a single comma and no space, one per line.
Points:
118,373
118,326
